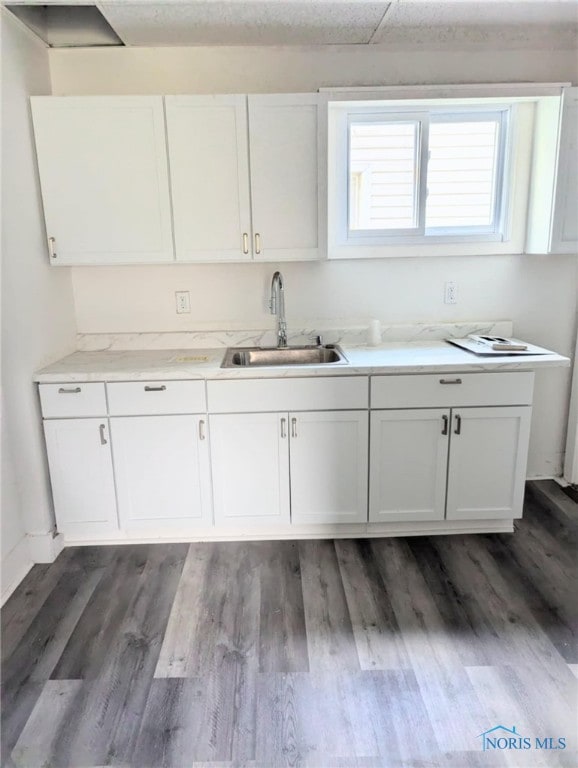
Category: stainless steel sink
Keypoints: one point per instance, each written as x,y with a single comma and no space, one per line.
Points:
255,357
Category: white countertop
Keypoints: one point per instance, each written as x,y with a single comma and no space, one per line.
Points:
388,358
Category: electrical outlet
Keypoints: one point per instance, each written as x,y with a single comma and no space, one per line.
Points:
451,292
183,302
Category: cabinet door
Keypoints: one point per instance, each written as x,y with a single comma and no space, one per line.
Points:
209,161
565,222
487,467
250,465
104,178
81,474
328,460
161,466
408,464
285,156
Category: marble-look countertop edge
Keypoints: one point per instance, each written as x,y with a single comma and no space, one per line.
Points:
117,366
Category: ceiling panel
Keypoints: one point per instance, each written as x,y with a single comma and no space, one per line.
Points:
471,24
465,13
246,22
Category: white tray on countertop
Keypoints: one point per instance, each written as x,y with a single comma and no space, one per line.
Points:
483,346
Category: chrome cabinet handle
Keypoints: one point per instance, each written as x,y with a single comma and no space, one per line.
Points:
445,426
293,427
103,440
155,389
458,429
283,430
52,247
245,243
201,429
64,391
450,381
257,243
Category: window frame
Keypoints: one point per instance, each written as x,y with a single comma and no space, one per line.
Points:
498,231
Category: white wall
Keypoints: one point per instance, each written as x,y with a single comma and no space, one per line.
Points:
538,293
38,323
276,70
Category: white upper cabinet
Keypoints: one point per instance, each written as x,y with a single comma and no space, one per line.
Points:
244,178
565,221
287,172
104,178
246,186
553,202
209,168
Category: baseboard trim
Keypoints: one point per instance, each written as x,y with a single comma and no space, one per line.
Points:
45,547
15,566
342,531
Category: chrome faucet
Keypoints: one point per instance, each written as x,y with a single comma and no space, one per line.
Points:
277,306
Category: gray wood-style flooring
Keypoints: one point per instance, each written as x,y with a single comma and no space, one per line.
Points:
335,654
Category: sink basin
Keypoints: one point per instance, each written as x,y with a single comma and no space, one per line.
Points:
255,357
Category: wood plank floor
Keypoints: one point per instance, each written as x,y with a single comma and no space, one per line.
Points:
335,654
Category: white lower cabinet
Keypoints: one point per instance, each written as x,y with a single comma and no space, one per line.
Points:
487,468
161,466
453,464
250,460
328,467
277,468
315,454
408,464
80,462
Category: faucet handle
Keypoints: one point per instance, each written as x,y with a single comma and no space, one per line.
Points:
318,340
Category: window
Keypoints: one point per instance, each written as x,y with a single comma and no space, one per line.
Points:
427,175
383,175
452,170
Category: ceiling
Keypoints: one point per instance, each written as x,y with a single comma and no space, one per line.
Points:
399,24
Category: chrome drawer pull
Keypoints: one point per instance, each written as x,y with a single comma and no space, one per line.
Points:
52,247
75,391
245,243
103,440
450,381
155,389
458,429
257,243
201,430
293,427
445,426
283,432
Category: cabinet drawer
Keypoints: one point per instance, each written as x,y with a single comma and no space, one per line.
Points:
133,398
314,394
445,390
75,399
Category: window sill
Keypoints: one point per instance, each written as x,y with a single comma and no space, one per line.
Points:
447,248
